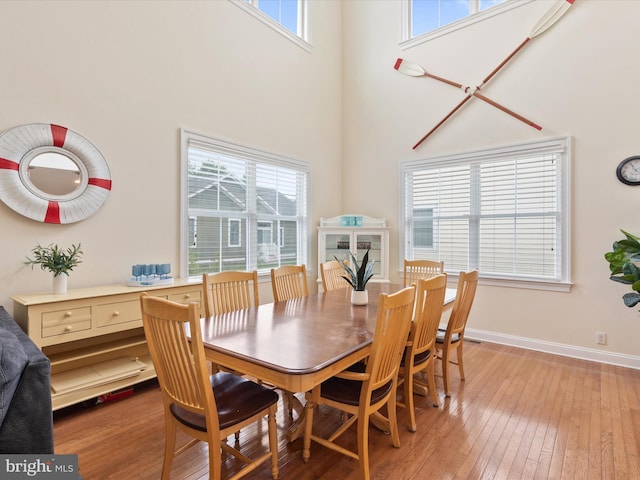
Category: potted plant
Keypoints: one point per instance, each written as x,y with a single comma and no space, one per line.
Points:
622,263
57,261
358,277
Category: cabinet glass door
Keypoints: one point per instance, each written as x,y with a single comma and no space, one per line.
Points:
373,243
337,244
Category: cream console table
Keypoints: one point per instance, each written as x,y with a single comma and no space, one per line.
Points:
94,336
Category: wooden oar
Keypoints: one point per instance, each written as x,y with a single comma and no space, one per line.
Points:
554,14
417,71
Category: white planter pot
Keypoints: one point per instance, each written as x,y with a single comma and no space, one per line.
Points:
60,283
359,297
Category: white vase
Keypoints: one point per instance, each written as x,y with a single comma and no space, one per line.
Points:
60,283
359,297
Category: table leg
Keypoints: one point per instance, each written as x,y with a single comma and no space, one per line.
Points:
380,422
296,428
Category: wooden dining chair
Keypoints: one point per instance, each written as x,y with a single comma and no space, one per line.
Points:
363,394
452,338
331,273
229,291
420,351
416,269
289,281
206,407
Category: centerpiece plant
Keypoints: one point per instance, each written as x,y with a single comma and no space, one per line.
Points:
358,276
622,264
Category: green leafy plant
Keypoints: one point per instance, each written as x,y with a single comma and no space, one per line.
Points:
358,276
55,259
622,263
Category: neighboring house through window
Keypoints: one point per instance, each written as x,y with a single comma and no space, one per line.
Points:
235,199
504,211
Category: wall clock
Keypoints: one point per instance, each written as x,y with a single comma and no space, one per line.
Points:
628,171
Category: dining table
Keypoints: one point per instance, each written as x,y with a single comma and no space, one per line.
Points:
298,343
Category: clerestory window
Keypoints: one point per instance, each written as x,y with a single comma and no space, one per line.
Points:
427,19
287,17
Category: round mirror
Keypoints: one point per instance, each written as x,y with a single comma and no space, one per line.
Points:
54,174
51,174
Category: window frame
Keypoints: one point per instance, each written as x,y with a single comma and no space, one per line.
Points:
237,221
407,41
562,144
255,156
301,38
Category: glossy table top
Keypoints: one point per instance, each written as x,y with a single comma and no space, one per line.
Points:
297,343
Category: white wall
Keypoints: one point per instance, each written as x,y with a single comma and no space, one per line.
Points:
576,79
127,76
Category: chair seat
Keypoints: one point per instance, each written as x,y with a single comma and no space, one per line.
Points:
348,391
440,337
236,400
418,359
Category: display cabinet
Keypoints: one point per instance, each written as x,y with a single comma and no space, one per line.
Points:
337,236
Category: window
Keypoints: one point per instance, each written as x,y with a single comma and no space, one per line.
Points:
235,199
287,17
285,12
504,211
235,231
427,19
423,228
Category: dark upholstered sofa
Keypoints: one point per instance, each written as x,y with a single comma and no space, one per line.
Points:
26,418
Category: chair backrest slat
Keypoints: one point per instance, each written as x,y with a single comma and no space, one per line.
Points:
390,337
289,281
428,312
467,284
331,273
229,291
179,361
417,269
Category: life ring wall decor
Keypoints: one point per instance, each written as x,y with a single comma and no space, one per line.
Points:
22,150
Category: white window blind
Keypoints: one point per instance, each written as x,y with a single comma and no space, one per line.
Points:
245,209
503,211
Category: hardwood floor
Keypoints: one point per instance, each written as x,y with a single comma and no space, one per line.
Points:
520,414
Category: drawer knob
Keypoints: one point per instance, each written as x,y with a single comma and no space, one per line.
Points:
68,328
68,314
187,296
116,313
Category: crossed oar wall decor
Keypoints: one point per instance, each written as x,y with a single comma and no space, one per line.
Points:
552,16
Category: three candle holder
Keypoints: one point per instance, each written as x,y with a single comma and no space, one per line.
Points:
151,274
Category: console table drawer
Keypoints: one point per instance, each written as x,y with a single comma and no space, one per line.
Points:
118,313
185,297
65,322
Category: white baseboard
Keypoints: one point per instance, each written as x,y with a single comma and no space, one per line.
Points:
630,361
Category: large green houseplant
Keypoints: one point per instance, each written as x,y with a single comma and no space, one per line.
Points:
622,264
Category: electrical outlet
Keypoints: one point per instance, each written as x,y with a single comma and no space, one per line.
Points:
601,338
